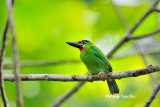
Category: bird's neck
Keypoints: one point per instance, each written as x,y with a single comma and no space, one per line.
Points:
82,49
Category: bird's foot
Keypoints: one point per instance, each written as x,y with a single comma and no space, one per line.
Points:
89,76
101,74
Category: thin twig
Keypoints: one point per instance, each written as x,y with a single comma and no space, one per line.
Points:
144,36
143,52
40,63
119,15
2,87
64,78
15,55
61,99
152,96
138,50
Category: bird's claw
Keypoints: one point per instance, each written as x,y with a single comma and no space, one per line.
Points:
101,73
89,76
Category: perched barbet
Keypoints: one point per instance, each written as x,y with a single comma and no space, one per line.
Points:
95,61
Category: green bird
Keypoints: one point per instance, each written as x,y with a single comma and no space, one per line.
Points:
95,61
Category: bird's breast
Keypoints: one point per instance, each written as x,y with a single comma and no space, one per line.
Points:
92,62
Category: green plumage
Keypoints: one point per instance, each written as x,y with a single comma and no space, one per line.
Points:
95,61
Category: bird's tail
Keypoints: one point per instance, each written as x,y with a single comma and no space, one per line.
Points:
113,88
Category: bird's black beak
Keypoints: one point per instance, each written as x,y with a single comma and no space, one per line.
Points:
75,44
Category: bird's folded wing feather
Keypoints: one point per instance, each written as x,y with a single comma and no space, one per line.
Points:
101,56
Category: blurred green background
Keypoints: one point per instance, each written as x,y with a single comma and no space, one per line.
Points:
43,27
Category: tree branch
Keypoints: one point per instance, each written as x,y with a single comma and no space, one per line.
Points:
119,15
64,78
157,10
132,29
40,63
139,51
2,88
144,36
15,55
142,52
46,63
152,96
3,49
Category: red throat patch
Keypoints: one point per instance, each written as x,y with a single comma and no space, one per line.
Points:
81,48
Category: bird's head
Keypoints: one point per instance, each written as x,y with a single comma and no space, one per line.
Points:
82,45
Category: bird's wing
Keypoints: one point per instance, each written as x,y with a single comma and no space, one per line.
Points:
101,56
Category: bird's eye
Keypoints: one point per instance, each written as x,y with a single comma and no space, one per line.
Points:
83,42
